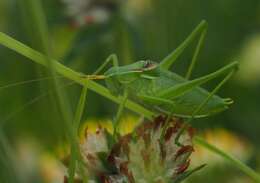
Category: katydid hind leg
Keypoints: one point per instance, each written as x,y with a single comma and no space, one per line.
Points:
182,88
172,57
203,104
155,100
212,93
196,53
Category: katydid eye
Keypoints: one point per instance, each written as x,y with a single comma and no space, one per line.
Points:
149,65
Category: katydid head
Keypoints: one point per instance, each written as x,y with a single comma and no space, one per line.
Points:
119,76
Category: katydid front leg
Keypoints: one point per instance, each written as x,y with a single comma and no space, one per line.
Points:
112,58
75,156
116,121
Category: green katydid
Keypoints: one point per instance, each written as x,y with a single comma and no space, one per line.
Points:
154,86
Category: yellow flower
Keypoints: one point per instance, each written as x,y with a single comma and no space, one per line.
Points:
127,124
224,140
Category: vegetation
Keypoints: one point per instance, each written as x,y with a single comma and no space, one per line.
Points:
118,159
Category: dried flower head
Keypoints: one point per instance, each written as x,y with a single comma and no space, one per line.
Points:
149,154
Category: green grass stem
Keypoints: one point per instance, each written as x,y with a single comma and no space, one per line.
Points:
236,162
38,20
74,146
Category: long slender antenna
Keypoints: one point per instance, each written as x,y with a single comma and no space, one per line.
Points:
29,103
26,82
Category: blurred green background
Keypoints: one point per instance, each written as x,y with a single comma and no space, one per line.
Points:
134,30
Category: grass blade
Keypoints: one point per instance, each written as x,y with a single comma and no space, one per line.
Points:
74,146
237,163
38,19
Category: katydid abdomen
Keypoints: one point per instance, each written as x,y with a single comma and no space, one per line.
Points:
183,105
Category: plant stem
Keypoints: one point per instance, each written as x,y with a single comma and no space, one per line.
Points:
237,163
38,19
75,146
42,37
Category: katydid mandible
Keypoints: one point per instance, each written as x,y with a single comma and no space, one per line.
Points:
155,87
